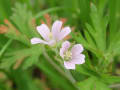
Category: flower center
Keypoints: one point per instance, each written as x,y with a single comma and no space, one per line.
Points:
50,35
67,56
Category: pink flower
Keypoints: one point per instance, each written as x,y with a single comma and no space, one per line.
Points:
53,36
72,55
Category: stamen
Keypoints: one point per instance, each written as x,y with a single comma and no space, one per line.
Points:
68,55
50,35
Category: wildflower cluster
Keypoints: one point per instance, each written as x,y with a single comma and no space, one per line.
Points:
71,54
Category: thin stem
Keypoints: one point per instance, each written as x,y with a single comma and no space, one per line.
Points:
57,67
5,47
70,75
67,71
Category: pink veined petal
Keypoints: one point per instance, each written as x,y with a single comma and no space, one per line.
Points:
64,48
56,28
64,32
77,49
78,59
44,31
37,40
69,65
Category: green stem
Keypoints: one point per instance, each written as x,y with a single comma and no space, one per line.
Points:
70,75
5,47
66,71
57,67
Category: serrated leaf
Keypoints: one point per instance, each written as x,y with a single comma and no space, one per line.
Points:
22,14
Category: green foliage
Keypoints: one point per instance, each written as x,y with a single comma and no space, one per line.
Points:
24,82
92,84
97,28
23,35
5,9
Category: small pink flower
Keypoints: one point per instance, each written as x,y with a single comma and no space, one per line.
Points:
53,36
72,55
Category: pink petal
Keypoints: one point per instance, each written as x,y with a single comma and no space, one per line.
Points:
37,40
56,28
64,32
79,59
62,52
66,44
52,42
64,48
77,49
69,65
44,31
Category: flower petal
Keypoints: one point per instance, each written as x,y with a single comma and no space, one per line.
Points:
69,65
79,59
51,42
77,49
44,31
64,32
56,28
62,52
37,40
64,48
66,44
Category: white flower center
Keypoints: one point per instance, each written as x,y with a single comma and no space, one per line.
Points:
50,35
67,56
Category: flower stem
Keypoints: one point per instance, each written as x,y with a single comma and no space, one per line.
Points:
70,75
70,78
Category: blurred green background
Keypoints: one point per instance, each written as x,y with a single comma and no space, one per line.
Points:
96,25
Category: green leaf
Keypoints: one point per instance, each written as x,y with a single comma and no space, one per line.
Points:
41,13
32,60
56,78
87,84
92,83
21,13
84,6
5,9
111,79
89,39
23,80
99,28
30,56
114,18
87,71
